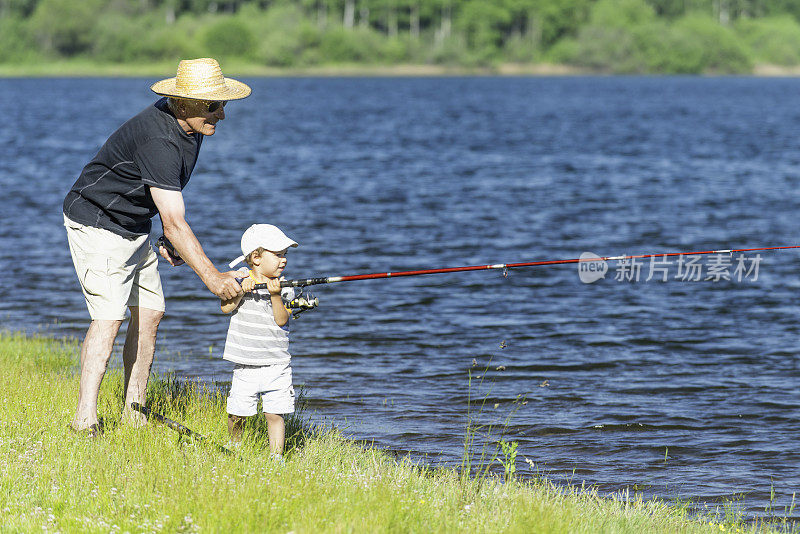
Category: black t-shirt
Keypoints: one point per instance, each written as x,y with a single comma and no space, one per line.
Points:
113,190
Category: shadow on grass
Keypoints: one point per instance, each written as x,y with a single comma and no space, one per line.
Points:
184,400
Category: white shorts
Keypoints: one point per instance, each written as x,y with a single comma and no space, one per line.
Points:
114,271
272,382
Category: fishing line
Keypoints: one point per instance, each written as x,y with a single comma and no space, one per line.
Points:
302,282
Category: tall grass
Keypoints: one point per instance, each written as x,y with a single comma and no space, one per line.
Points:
149,480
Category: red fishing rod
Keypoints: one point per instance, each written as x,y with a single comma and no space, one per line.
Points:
331,279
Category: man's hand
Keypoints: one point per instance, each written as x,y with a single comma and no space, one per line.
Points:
169,257
225,286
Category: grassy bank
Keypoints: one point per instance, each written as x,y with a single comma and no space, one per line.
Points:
143,480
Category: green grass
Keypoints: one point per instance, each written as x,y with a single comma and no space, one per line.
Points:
143,480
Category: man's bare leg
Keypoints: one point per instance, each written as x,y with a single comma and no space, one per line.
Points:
276,430
137,357
95,353
235,425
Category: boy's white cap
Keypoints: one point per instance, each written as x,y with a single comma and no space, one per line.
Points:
266,236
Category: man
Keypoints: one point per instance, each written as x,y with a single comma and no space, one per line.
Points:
140,171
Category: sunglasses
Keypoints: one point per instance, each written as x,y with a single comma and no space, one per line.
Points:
215,105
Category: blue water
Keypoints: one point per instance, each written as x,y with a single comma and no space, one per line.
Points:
373,175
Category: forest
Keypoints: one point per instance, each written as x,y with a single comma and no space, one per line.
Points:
604,36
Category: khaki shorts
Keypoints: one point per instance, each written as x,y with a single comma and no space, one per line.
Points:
114,271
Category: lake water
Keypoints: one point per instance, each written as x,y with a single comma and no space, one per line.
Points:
373,175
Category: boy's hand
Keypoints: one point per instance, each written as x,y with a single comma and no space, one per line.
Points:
274,286
248,284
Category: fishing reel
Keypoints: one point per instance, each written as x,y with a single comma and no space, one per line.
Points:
164,242
301,302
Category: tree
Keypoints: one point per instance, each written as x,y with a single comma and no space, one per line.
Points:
668,8
17,8
621,13
348,18
779,7
65,26
483,22
445,8
553,21
229,36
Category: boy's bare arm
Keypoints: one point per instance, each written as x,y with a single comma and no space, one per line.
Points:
229,305
279,311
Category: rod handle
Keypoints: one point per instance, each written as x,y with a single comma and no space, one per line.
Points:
302,282
164,242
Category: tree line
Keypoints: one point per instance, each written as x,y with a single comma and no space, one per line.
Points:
626,36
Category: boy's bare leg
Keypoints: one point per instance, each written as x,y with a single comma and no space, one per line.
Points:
95,353
137,356
276,430
235,424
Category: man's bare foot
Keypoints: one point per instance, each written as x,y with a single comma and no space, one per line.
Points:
82,423
133,419
94,430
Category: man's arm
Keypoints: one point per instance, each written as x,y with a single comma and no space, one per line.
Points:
172,211
228,306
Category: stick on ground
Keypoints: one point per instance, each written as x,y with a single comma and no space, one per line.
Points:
176,426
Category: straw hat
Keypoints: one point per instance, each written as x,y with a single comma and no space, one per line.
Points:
201,79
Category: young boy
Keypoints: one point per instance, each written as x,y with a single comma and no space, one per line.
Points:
257,342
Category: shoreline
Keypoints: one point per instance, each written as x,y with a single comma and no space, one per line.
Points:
138,479
84,69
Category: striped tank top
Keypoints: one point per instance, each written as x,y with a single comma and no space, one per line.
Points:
254,338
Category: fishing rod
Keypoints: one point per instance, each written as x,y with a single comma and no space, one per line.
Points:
298,304
176,426
303,282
